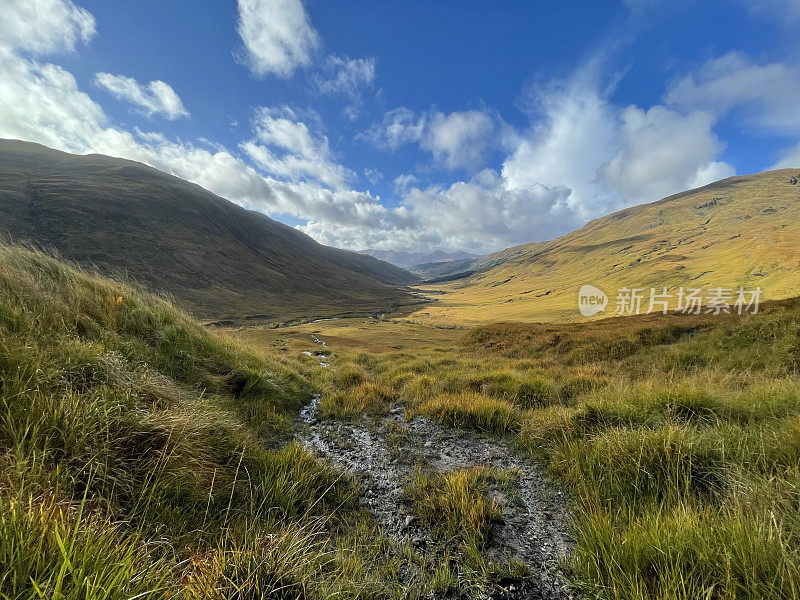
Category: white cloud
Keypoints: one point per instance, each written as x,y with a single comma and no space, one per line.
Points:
482,215
346,76
574,131
663,152
373,175
460,139
402,183
277,36
582,155
42,102
765,94
609,156
399,126
155,98
44,26
287,148
789,160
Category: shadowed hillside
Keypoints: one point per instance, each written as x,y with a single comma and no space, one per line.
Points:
741,231
216,258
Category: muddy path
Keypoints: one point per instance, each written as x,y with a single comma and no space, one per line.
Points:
383,453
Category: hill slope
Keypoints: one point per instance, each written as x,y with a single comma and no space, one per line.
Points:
738,231
216,258
411,259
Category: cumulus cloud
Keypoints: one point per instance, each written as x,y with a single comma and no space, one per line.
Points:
155,98
662,152
481,214
288,148
402,183
348,77
373,175
277,36
611,156
460,139
44,26
581,156
399,126
43,103
573,132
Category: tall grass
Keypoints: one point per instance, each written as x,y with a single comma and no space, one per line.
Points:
678,436
142,456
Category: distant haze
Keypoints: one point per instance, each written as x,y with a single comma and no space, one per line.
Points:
412,259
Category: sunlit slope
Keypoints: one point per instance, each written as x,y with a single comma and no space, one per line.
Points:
741,231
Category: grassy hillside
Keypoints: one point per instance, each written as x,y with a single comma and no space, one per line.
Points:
144,457
739,231
216,258
676,434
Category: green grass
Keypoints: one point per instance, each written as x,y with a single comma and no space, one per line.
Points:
142,456
470,411
457,508
455,503
678,436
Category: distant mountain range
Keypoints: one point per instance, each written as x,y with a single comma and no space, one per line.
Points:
412,259
741,231
215,258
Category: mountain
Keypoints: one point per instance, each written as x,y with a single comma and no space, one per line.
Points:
411,259
741,231
215,258
442,271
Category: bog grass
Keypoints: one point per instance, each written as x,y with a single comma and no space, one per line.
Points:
143,456
455,503
679,437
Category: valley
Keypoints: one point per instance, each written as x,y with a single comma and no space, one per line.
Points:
429,441
306,300
217,259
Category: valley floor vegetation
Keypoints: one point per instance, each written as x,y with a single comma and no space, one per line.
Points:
678,435
143,456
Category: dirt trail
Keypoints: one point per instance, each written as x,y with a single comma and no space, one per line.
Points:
384,452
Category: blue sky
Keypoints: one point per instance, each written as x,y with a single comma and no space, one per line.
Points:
414,125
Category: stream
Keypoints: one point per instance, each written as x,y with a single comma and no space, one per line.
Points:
384,452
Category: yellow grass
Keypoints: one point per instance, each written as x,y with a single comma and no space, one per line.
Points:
739,232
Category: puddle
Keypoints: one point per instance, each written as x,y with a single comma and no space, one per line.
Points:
309,412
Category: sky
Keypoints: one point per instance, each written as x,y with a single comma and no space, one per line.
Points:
415,125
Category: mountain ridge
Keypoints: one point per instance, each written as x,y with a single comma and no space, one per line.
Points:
219,260
743,230
413,259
